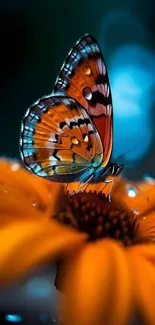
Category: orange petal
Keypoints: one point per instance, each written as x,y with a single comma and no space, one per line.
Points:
146,229
143,290
26,244
97,286
147,251
121,300
22,193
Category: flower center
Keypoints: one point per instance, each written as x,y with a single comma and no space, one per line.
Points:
94,214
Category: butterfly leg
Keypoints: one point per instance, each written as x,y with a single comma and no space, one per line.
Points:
66,188
81,185
112,183
70,192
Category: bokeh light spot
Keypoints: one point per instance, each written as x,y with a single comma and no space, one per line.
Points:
39,287
43,317
131,192
13,318
132,69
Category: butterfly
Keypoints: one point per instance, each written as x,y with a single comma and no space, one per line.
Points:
67,136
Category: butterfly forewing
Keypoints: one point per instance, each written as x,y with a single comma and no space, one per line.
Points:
84,77
58,140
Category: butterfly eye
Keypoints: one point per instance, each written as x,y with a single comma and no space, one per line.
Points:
87,93
86,138
87,71
74,140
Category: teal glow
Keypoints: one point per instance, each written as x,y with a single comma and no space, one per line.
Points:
132,70
13,318
131,192
39,287
44,317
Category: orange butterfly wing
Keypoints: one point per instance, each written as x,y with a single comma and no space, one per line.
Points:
58,140
84,77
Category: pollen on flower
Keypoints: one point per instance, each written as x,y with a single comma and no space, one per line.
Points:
94,214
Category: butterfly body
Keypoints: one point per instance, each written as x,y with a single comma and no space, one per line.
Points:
67,136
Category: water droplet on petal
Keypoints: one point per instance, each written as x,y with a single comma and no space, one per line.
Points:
14,167
131,191
33,203
3,187
144,218
87,93
135,211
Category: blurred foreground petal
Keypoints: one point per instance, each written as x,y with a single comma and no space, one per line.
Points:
143,283
97,289
147,251
24,245
24,194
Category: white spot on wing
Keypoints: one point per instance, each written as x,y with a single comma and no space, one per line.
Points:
105,89
100,66
108,90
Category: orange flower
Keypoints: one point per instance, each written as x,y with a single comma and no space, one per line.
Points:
105,250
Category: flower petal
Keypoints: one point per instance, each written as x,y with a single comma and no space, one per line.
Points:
21,193
146,230
26,244
143,280
97,286
144,201
147,251
121,302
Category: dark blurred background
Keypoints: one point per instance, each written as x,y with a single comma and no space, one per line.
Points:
35,37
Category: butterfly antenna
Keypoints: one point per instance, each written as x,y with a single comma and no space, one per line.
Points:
136,186
125,153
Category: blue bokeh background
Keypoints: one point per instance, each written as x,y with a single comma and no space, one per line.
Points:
131,63
35,39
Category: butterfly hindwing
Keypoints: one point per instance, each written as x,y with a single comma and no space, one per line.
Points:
84,77
58,139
